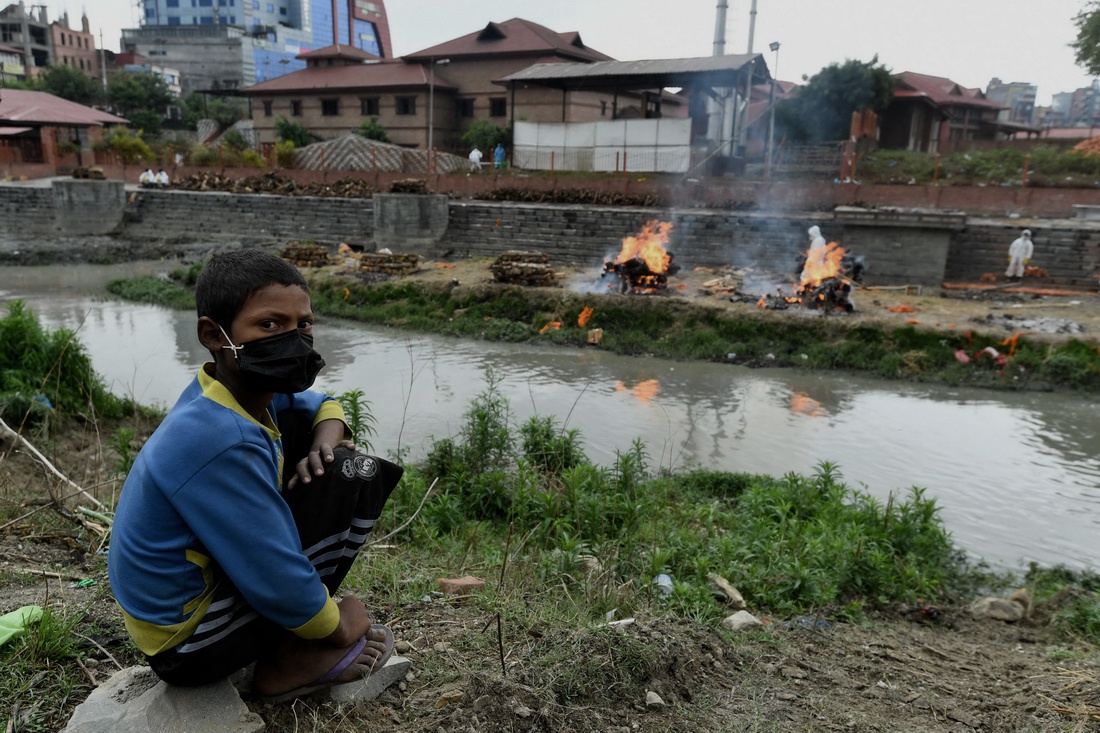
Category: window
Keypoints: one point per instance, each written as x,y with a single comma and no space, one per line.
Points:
282,11
173,3
206,20
267,108
232,20
270,8
498,107
368,106
296,107
330,107
206,3
405,105
255,4
464,108
150,12
603,108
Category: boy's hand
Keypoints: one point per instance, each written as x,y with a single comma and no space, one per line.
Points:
314,462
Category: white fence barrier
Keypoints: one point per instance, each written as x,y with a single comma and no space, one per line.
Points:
659,145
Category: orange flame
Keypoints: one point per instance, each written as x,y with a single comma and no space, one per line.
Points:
822,264
649,245
586,314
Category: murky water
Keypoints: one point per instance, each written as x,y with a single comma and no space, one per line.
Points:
1017,475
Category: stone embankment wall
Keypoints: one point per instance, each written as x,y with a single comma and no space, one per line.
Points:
899,251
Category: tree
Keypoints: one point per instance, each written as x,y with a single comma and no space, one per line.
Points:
486,136
196,107
372,130
128,146
822,108
294,132
69,83
1086,48
140,98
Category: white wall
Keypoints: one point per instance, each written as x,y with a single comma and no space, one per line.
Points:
662,144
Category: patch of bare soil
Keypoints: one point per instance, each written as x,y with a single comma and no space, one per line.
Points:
899,671
1002,313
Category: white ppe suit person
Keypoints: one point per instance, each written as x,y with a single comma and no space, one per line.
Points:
148,178
475,158
815,257
1019,252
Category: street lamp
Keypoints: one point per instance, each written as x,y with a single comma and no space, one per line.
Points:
774,46
431,100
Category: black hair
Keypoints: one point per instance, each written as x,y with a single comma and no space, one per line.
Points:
230,278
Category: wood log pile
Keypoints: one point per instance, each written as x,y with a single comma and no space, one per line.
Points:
387,263
274,183
409,185
727,284
303,254
571,196
524,268
1032,271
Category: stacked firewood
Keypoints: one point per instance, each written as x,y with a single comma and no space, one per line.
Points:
274,183
524,268
728,284
304,254
571,196
409,185
388,263
1032,271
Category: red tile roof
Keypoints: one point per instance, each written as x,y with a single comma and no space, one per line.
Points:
337,51
21,106
9,49
940,90
357,76
515,36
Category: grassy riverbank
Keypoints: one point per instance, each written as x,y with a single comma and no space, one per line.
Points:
681,328
567,546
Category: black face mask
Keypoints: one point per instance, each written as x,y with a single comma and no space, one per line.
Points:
285,363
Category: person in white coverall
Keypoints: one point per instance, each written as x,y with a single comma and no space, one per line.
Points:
1019,252
816,253
475,158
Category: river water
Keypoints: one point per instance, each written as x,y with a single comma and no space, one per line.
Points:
1017,475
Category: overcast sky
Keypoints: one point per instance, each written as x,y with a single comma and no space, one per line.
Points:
966,40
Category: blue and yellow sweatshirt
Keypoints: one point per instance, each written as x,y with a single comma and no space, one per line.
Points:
205,489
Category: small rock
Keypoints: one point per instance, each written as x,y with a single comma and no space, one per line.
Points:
441,647
998,609
463,586
653,701
522,711
793,673
740,621
787,697
401,646
733,596
410,677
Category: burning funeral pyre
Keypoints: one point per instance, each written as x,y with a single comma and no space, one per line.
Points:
825,282
644,264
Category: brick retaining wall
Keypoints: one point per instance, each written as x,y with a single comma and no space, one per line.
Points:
1069,249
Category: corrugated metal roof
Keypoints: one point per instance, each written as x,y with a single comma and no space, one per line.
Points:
644,72
20,105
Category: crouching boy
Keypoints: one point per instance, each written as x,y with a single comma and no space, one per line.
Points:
245,509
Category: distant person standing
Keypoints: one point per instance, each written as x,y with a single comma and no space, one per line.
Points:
475,158
815,256
1019,253
498,156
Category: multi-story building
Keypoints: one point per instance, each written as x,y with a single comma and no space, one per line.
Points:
434,94
227,44
75,48
1016,98
11,65
29,33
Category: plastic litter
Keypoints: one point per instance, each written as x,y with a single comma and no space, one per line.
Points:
664,584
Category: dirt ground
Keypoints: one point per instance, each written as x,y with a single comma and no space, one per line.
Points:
906,669
901,671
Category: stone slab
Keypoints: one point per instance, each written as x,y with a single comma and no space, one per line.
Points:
135,701
367,689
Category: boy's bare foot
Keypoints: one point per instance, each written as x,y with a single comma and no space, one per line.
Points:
299,664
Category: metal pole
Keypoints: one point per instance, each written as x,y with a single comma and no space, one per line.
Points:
771,109
720,28
431,101
752,24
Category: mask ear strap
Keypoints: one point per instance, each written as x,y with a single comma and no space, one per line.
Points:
235,349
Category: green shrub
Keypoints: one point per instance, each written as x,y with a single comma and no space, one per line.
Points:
284,154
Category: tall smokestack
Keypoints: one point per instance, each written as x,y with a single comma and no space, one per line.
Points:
752,24
720,29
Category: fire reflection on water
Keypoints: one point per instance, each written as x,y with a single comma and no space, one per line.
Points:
644,391
803,404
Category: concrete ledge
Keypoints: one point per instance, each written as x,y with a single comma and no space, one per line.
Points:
84,207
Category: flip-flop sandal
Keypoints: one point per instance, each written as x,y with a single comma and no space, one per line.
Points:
348,659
